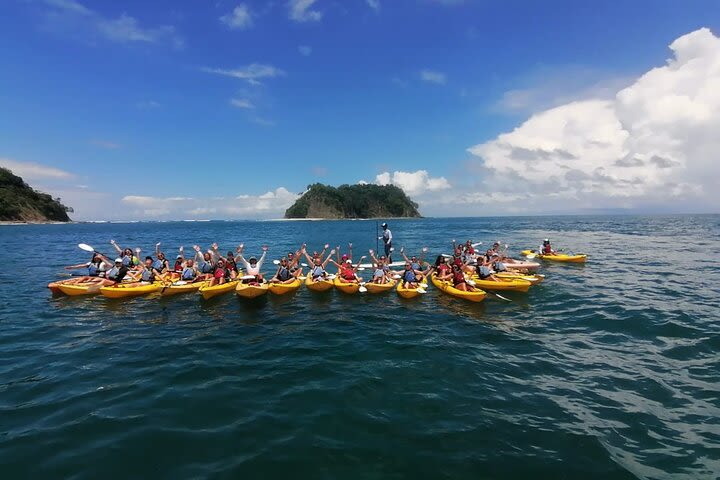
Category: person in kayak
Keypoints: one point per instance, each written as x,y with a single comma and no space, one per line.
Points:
148,271
415,262
189,272
204,260
294,263
387,241
221,274
179,264
318,266
483,269
441,268
458,279
231,264
96,267
382,261
128,259
283,274
348,273
410,277
546,248
118,272
380,275
253,265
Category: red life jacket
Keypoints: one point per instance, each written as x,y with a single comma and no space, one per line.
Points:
347,274
547,248
458,278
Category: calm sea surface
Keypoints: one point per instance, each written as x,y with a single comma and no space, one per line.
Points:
607,370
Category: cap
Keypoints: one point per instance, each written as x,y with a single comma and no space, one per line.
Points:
384,225
118,260
546,240
179,256
344,256
252,259
348,261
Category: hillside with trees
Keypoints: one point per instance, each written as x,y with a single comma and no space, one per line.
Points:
353,201
21,203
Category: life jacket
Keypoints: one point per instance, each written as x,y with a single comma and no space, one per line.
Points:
458,278
379,273
206,267
409,276
283,274
317,271
547,248
483,271
188,274
117,274
127,261
499,267
443,268
148,275
231,265
158,265
93,269
178,266
415,266
348,273
222,273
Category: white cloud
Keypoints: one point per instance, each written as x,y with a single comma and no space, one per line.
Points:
433,77
250,73
239,19
300,11
654,144
74,17
413,183
33,171
305,50
271,204
241,103
374,4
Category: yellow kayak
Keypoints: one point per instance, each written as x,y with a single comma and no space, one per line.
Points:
408,292
447,287
77,289
319,285
380,287
134,289
209,292
285,288
180,286
534,278
346,287
251,290
505,284
557,257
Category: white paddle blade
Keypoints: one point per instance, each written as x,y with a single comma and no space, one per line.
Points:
304,264
362,289
331,277
276,262
470,282
247,277
396,277
180,282
423,285
421,290
86,247
361,269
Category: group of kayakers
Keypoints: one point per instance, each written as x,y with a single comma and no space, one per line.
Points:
214,267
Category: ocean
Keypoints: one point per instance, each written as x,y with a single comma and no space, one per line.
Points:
606,370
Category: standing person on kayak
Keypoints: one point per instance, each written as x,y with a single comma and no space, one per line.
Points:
253,265
387,241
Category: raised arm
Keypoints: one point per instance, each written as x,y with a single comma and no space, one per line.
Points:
357,265
262,257
115,245
402,252
373,257
157,249
311,262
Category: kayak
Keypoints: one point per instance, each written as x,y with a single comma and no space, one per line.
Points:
55,286
346,287
209,292
180,286
447,287
285,288
76,289
557,257
534,279
370,265
251,290
380,287
319,285
505,284
134,289
408,292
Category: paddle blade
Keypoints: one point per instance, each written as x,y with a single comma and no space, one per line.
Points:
421,290
362,289
86,247
247,277
423,285
276,262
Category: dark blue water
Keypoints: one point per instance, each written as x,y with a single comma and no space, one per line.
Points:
608,370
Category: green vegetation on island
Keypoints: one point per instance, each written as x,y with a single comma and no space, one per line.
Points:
21,203
353,201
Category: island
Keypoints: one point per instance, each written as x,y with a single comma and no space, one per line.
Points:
353,201
21,203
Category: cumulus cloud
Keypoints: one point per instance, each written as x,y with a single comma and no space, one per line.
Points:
430,76
252,73
267,205
33,171
654,143
413,183
301,11
73,17
239,19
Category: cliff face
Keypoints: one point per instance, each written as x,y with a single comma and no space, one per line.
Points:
353,201
20,203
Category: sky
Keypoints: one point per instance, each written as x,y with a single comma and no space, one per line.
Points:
189,109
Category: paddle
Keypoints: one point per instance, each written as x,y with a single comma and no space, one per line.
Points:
276,262
472,282
362,289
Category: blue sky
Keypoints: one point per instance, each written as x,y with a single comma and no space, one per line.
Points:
129,105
